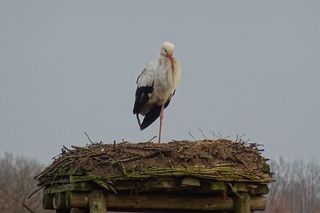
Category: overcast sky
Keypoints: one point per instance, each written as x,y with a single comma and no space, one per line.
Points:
248,67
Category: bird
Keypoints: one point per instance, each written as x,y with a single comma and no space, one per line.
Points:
156,85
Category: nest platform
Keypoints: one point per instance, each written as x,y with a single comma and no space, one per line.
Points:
186,176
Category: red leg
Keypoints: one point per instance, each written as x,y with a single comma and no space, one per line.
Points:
161,118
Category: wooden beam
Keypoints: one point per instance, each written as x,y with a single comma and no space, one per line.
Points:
47,201
77,199
157,201
258,203
80,186
218,186
97,202
168,202
240,187
262,189
242,203
164,184
152,201
59,200
190,182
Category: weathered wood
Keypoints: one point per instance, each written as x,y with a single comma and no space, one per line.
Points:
97,202
168,202
59,200
190,182
240,187
47,201
242,203
258,203
163,201
157,201
80,186
218,186
164,184
124,186
262,189
77,199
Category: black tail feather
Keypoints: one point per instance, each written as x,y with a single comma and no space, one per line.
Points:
138,119
150,117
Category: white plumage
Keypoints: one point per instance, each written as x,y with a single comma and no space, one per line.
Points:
156,85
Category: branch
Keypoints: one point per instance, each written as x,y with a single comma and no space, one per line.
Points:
88,138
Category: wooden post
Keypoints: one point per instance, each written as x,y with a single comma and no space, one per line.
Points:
59,201
47,201
242,203
97,202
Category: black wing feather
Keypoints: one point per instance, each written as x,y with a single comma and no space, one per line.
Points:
152,115
142,96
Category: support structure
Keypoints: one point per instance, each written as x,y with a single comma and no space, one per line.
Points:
189,194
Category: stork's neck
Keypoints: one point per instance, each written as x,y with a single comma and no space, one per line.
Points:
171,59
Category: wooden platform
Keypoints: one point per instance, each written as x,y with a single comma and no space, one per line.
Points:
185,194
178,176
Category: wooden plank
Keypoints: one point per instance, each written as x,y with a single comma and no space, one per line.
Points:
258,203
240,187
59,200
158,201
47,201
168,202
97,202
262,189
80,186
164,184
165,201
77,199
218,186
190,182
242,203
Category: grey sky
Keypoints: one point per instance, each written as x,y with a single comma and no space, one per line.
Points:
248,67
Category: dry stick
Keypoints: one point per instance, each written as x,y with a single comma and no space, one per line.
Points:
213,135
219,135
25,206
88,138
191,135
202,133
35,191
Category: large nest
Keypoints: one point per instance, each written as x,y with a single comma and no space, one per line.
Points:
220,160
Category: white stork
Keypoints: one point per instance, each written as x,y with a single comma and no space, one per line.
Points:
156,85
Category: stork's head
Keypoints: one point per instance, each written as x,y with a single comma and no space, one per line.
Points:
167,49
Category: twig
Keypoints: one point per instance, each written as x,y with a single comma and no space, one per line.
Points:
191,135
243,163
219,135
35,191
213,134
202,133
26,207
88,138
